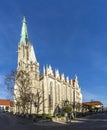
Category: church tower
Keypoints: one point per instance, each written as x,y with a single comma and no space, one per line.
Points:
26,55
27,61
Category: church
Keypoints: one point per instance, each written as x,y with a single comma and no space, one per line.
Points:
57,89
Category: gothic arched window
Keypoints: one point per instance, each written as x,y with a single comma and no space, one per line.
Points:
51,95
58,93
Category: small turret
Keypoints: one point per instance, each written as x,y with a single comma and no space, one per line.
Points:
57,74
62,77
67,79
44,72
49,70
76,79
32,55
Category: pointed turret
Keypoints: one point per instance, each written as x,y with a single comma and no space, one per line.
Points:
32,55
76,77
44,72
24,33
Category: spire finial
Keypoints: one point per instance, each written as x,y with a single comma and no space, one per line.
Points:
24,19
24,33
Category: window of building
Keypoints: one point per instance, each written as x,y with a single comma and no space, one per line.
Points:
58,93
50,96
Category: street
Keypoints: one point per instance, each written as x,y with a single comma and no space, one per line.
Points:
94,122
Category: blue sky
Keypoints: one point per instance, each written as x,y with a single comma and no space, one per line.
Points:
71,35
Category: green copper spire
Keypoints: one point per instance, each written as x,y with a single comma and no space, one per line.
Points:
24,33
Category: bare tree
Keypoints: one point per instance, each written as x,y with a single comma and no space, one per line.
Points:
23,90
39,98
9,82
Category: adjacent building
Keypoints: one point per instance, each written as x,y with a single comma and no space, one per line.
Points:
95,106
57,89
6,105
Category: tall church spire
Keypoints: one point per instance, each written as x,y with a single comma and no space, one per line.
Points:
24,33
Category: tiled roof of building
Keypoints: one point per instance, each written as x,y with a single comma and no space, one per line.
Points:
6,102
93,103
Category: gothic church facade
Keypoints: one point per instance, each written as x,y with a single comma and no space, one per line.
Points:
57,88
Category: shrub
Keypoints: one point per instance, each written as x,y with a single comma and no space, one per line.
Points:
67,109
48,116
59,116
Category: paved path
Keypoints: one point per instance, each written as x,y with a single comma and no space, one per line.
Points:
94,122
11,122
